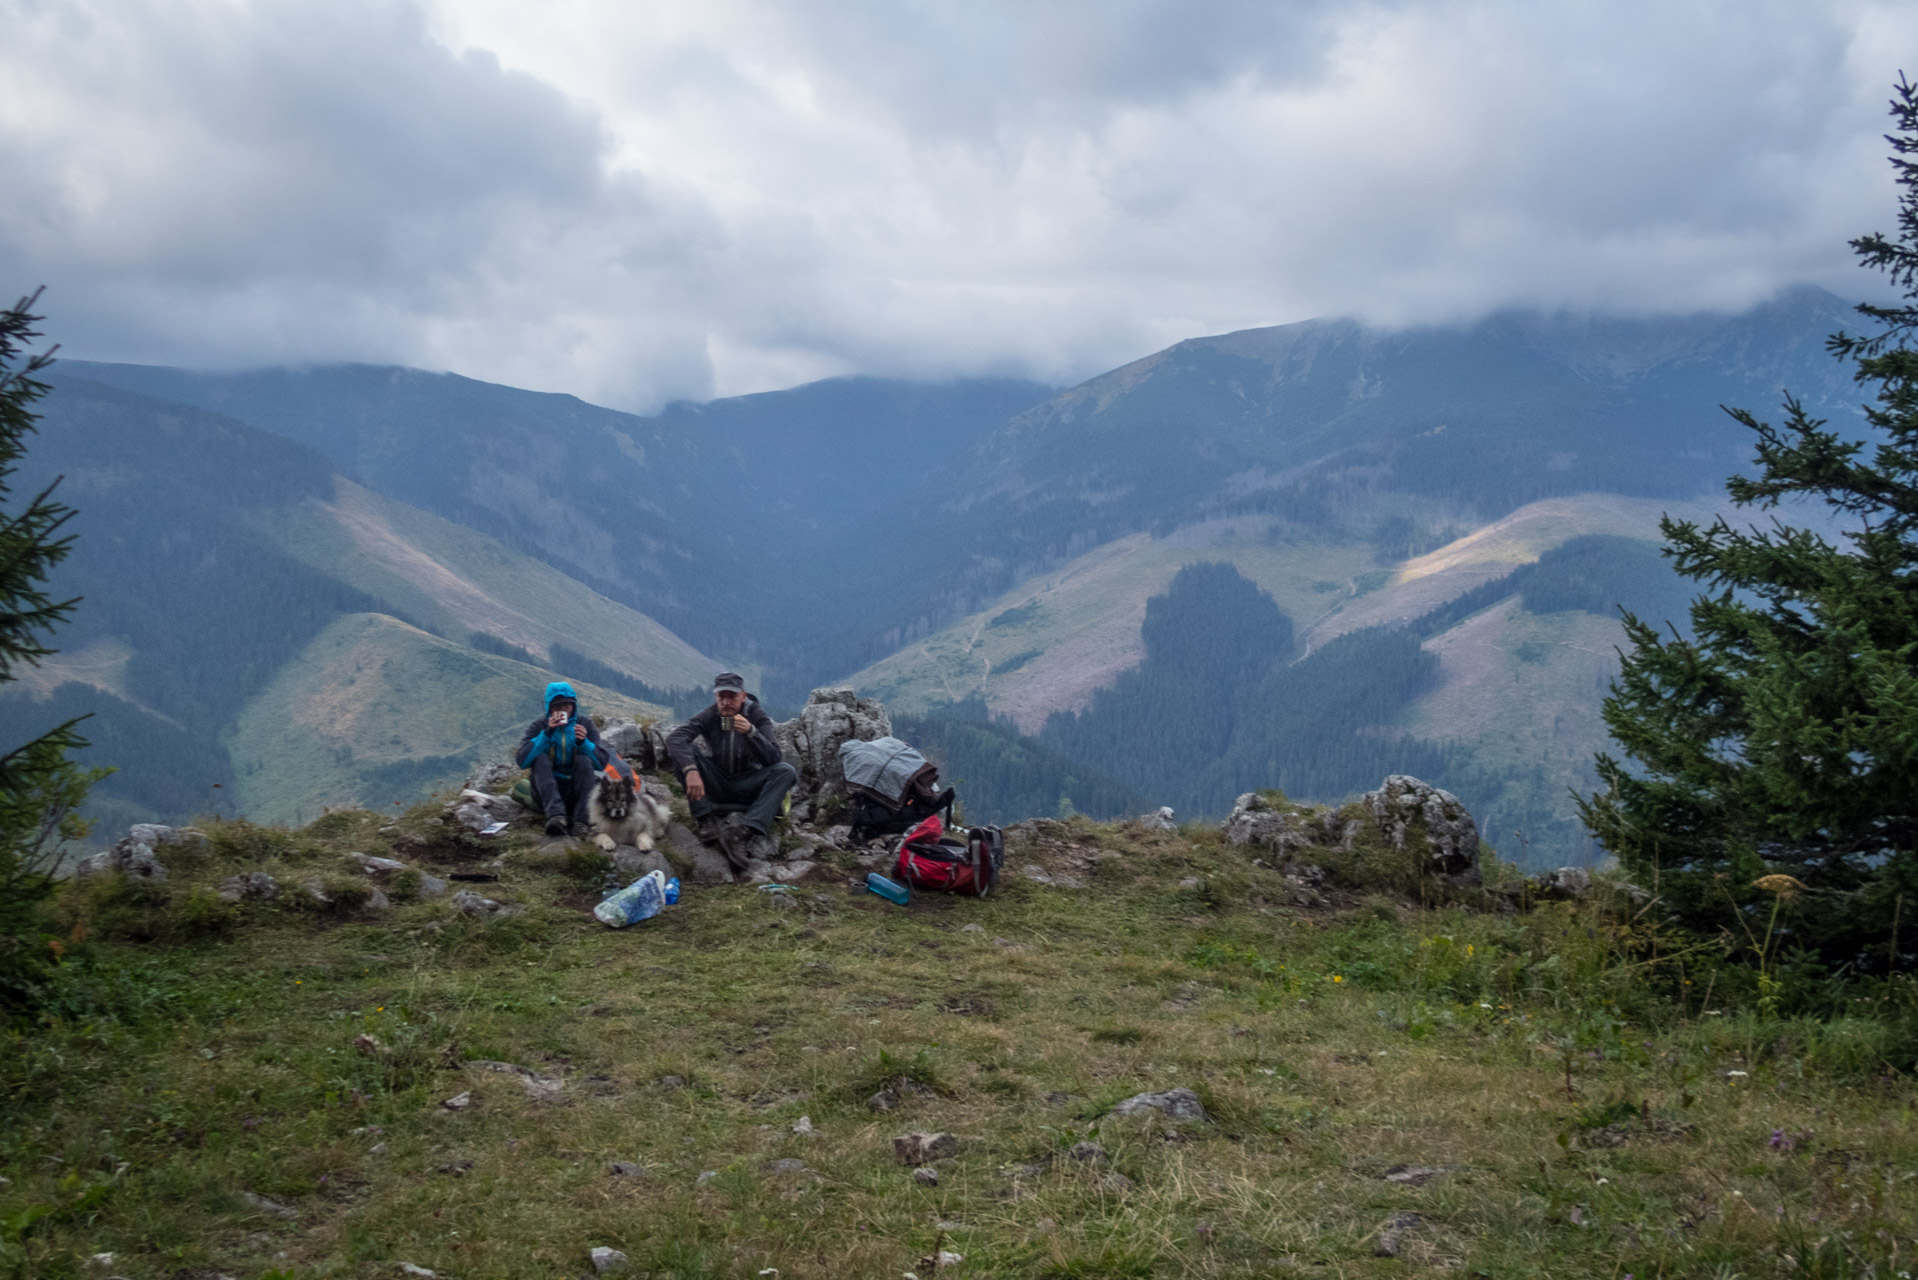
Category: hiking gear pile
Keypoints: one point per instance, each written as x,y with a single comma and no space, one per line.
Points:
893,787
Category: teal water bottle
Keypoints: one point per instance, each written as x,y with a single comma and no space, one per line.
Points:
890,890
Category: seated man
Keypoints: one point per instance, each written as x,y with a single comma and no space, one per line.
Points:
740,764
563,751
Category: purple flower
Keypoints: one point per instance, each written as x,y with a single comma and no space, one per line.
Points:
1779,1142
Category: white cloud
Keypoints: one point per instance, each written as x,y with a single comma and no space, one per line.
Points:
644,200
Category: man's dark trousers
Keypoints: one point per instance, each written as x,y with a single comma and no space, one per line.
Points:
564,798
760,790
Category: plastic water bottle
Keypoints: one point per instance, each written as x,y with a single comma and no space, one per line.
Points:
643,899
890,890
672,891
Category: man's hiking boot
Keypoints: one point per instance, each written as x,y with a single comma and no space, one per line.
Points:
731,844
556,826
709,829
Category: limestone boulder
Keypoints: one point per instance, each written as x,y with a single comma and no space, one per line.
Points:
1256,820
811,740
1411,813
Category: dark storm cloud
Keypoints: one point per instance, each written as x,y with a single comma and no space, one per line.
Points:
642,200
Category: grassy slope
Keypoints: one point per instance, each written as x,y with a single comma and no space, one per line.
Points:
371,692
458,581
1085,629
1593,1130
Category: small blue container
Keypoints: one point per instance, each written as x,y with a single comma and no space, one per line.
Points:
890,890
672,891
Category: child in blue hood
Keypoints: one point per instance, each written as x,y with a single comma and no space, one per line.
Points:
563,751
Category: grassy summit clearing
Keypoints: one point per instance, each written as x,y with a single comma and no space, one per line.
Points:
257,1090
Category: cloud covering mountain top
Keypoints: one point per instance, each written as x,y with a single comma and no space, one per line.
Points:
642,201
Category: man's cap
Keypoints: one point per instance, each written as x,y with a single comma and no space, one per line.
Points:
729,680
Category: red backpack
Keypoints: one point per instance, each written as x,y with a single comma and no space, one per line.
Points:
931,859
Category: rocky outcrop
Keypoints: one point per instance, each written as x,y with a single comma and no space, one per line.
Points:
1408,811
135,856
477,810
642,745
811,742
1255,819
1565,883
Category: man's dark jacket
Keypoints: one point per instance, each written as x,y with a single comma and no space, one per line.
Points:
732,753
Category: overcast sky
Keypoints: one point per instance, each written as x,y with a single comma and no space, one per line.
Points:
642,201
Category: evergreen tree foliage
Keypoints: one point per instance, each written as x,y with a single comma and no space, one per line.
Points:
40,788
1783,737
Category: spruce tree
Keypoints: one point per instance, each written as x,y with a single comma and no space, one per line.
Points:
1782,739
40,787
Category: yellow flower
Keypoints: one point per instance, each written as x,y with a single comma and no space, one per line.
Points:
1337,978
1468,950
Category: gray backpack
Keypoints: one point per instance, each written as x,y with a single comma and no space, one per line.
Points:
893,787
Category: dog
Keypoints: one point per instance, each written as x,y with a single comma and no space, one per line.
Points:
623,811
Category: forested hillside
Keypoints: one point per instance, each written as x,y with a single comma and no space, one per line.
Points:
1223,703
195,560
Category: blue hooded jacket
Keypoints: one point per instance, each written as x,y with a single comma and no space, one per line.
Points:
561,744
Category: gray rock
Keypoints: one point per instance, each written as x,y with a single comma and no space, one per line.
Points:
643,745
884,1100
974,927
431,886
926,1176
269,1206
1159,820
1565,883
607,1261
1181,1105
1416,1175
133,854
377,900
473,904
1112,1180
494,779
1392,1235
681,846
787,1168
633,863
811,740
1405,808
1086,1152
377,866
839,836
254,885
458,1102
1192,882
780,872
535,1084
924,1148
711,868
474,817
626,1169
1254,820
408,1269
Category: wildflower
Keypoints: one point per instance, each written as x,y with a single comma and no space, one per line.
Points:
1782,885
1780,1142
1337,978
1468,951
